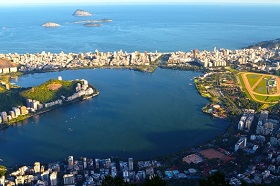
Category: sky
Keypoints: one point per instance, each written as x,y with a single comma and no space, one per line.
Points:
11,2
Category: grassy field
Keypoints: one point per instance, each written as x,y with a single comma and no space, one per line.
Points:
252,78
261,98
273,98
261,87
44,93
244,88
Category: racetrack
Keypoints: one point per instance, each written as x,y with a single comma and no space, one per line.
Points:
251,89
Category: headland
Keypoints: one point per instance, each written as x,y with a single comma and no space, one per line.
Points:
18,103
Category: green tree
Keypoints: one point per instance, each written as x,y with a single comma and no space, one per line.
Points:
217,179
116,181
3,170
155,181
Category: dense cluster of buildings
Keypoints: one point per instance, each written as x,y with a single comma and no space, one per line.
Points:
208,59
81,90
49,61
246,120
85,171
222,57
265,166
14,113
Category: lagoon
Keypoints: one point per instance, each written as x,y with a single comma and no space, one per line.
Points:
136,115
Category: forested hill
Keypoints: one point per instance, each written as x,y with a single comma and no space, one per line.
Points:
267,44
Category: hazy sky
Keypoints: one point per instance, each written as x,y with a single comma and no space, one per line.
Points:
136,1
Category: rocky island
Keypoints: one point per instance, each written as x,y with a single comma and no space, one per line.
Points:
92,25
81,13
51,24
94,21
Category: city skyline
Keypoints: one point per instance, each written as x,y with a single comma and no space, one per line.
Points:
12,2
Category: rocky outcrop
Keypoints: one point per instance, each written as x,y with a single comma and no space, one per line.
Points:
92,24
94,21
51,24
81,13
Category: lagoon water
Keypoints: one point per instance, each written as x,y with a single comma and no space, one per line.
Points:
136,114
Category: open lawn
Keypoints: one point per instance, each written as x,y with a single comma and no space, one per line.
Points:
261,87
273,98
253,78
261,98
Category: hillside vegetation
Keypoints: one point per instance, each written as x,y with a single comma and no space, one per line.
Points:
50,91
10,98
266,44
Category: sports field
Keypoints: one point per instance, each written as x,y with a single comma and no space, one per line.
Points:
261,88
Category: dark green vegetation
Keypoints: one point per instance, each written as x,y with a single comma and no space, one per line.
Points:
117,181
50,91
10,98
221,88
3,170
267,44
217,179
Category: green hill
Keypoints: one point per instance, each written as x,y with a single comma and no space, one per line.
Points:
50,91
266,44
10,98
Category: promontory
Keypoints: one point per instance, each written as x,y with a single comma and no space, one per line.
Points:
80,12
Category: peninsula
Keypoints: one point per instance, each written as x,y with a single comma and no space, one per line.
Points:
81,13
20,103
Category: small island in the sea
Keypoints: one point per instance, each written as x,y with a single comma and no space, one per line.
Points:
80,12
51,24
20,103
92,24
94,21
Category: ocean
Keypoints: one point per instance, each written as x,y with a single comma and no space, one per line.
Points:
141,28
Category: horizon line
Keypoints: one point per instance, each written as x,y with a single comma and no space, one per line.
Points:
142,3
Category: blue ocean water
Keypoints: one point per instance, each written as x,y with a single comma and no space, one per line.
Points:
142,28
